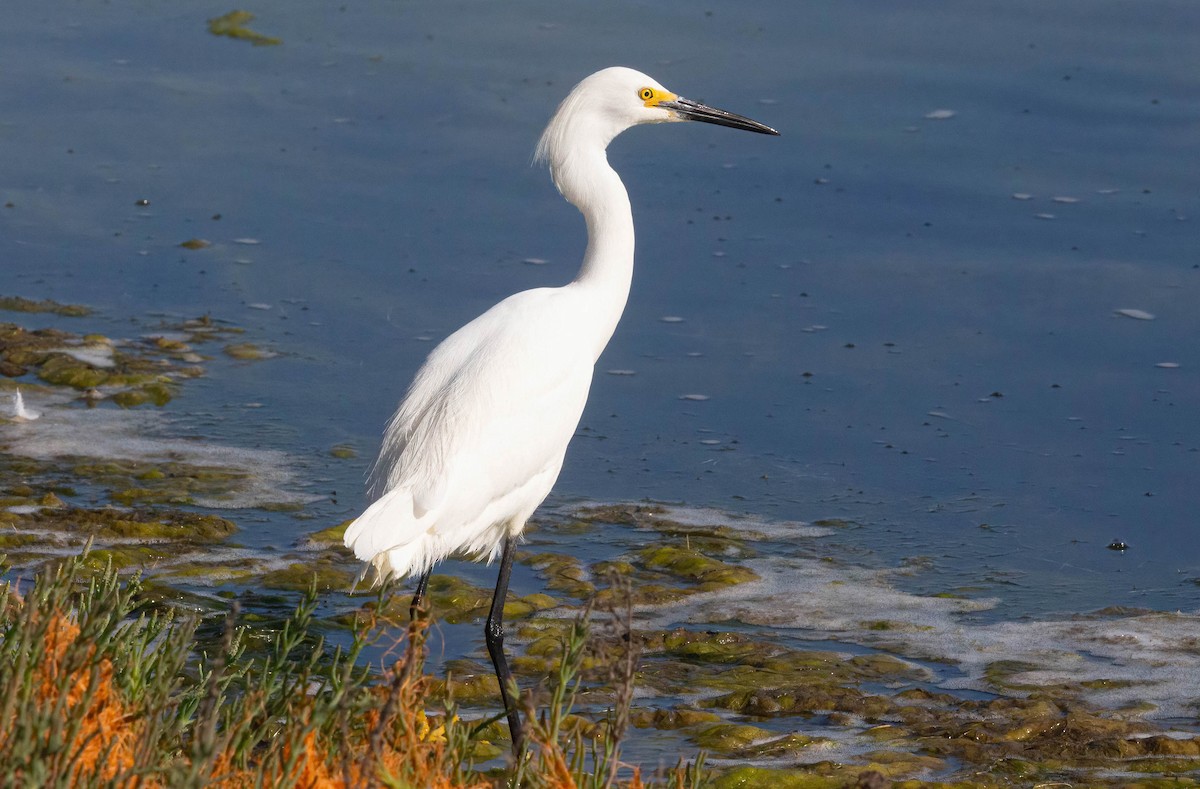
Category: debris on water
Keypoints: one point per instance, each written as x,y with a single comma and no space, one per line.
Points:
535,261
247,242
940,115
1140,315
696,397
195,243
258,305
234,24
1118,545
671,319
21,413
1168,365
1065,199
1045,216
1022,196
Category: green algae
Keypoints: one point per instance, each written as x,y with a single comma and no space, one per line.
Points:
154,535
209,571
132,496
727,737
658,574
538,627
246,351
683,562
140,482
467,682
882,769
157,393
619,514
1172,766
690,565
837,523
789,747
747,777
63,370
10,540
457,601
325,574
562,573
1000,673
126,557
234,24
282,506
343,452
331,536
132,373
19,304
671,719
141,524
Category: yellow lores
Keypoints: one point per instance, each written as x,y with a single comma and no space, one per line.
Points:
652,97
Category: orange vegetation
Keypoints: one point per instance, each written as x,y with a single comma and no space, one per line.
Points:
106,737
391,742
397,741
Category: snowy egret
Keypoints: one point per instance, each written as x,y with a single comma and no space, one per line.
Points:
478,441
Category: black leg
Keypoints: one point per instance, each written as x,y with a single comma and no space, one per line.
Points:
494,636
419,597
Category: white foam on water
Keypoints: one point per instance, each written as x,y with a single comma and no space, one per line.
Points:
97,355
710,517
139,435
1145,658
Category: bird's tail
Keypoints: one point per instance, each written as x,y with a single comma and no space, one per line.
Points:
392,539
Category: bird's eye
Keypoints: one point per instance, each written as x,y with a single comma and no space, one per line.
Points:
646,94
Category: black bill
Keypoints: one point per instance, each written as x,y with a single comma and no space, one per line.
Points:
695,111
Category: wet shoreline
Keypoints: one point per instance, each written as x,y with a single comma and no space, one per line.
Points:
725,608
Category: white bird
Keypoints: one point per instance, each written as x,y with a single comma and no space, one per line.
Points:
478,441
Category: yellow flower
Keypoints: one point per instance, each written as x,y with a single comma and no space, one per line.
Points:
426,733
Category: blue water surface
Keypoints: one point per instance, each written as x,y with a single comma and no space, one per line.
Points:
901,311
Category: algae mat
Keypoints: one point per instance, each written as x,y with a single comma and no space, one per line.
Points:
760,642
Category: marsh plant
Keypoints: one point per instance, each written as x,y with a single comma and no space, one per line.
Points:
99,686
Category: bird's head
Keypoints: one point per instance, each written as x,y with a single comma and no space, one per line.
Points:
614,99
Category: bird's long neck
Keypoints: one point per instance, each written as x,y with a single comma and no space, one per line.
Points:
588,182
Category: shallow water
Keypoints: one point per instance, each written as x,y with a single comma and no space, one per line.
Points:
901,317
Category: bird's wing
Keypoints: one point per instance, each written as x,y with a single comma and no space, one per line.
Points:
493,407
